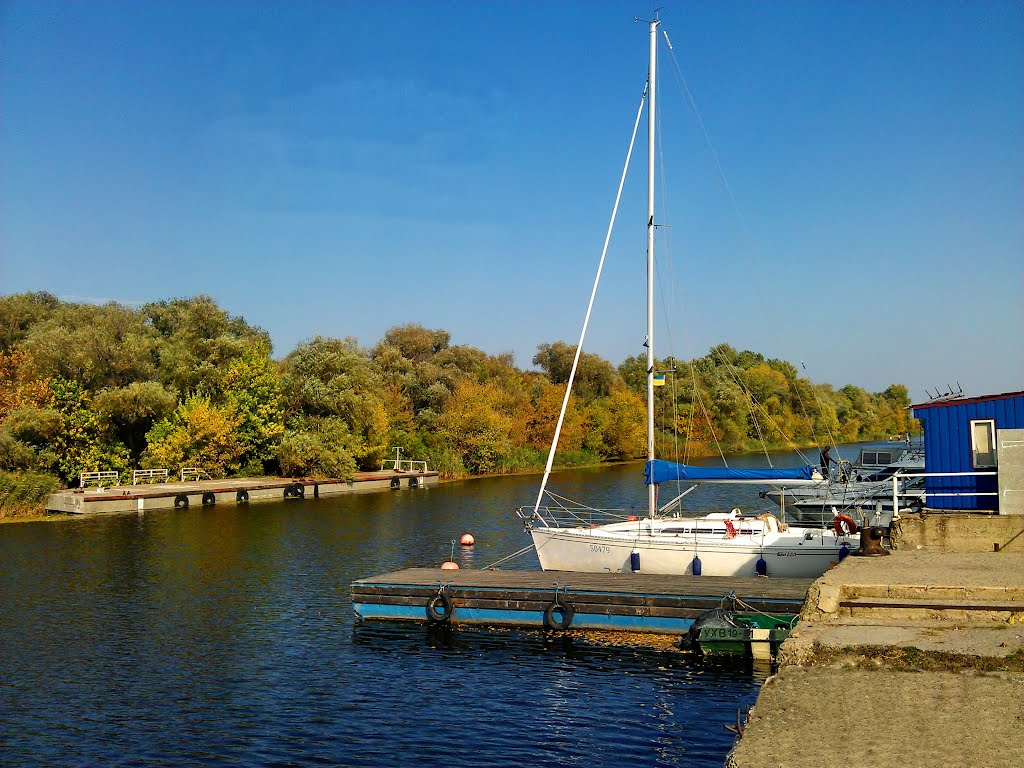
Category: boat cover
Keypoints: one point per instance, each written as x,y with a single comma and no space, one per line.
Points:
659,471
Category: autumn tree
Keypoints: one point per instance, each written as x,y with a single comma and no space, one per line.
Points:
198,434
333,378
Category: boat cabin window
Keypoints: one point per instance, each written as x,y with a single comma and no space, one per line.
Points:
983,443
691,531
875,458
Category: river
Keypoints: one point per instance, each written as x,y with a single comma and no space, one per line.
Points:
225,636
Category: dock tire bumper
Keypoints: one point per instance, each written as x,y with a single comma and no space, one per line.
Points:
440,608
551,620
242,497
209,499
295,491
181,501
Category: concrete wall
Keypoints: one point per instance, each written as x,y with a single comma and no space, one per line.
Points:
1010,444
958,533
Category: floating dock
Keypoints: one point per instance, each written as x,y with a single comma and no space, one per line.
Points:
560,600
180,495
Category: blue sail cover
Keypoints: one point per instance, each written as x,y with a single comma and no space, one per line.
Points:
659,471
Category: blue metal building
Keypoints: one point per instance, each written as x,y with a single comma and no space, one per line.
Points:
960,435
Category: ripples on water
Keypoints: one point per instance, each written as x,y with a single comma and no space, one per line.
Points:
225,636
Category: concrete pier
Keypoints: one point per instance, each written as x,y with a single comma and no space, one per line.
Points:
908,660
127,498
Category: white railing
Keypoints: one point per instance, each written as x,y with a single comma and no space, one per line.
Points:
405,465
149,476
896,493
193,474
100,478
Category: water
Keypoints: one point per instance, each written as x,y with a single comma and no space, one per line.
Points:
224,635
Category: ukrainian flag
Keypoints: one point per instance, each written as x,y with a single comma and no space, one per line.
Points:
659,379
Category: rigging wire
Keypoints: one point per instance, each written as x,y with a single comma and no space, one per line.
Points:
590,305
681,82
666,305
821,410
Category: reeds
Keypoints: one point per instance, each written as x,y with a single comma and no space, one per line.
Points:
25,493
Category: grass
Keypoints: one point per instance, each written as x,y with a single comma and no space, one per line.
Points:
909,659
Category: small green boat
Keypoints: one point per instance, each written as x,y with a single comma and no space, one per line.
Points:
740,633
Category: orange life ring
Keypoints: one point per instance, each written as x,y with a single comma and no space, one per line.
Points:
844,525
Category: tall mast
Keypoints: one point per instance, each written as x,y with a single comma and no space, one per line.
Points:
652,503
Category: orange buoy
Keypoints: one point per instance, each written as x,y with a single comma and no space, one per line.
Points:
467,540
449,566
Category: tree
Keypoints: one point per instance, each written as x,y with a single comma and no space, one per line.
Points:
18,385
415,342
594,377
252,389
130,412
19,313
620,425
198,342
78,444
199,434
333,378
543,418
108,346
323,447
477,423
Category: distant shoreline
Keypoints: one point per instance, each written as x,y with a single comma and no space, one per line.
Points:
43,516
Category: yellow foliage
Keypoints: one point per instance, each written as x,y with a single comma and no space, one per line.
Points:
540,421
199,435
17,388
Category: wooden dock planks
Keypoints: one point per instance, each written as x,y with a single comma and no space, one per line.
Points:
638,602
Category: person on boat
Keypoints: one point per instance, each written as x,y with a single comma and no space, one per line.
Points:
826,459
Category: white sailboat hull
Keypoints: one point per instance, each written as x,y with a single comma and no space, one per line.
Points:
590,551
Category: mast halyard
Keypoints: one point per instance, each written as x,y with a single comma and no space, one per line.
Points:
652,502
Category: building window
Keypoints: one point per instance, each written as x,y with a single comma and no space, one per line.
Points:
983,443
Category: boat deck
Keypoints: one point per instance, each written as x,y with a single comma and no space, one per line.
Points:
604,601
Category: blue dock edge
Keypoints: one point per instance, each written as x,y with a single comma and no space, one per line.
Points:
639,603
510,618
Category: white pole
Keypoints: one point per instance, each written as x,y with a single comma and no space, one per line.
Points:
895,498
652,503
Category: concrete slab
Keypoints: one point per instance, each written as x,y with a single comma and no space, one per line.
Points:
841,718
808,641
899,661
958,576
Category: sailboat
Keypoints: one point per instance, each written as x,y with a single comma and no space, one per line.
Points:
579,538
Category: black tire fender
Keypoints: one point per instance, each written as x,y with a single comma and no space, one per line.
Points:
209,499
551,621
181,501
242,497
440,608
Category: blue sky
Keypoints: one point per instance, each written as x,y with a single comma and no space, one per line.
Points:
341,168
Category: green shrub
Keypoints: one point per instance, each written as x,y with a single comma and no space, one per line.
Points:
25,493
